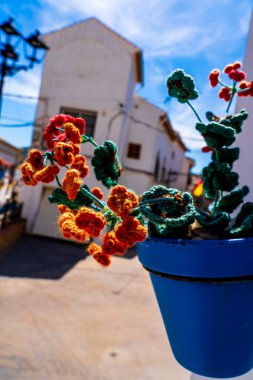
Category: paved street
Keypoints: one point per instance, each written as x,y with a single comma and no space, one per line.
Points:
64,317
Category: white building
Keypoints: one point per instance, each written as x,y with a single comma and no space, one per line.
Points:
244,166
91,72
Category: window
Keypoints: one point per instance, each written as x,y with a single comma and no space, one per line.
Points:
173,155
157,167
134,151
89,116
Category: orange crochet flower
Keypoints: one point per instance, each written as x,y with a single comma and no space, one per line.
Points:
68,227
46,174
130,231
76,148
28,174
63,208
122,201
112,245
72,183
97,192
96,252
63,153
90,221
79,164
72,133
35,158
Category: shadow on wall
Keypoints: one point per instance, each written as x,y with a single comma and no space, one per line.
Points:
43,258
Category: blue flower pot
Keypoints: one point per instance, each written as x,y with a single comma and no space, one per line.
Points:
205,293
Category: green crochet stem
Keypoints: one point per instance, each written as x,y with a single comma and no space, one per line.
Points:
88,139
224,85
58,181
195,112
93,197
232,96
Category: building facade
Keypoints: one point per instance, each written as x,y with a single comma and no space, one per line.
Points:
244,140
91,72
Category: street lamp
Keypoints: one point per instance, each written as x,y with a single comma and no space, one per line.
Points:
11,58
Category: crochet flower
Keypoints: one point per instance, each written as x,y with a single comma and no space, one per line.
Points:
90,221
214,77
111,245
106,164
28,174
122,201
97,192
225,93
181,86
96,252
63,153
68,227
72,183
234,73
72,133
130,231
247,87
52,130
35,158
47,174
79,163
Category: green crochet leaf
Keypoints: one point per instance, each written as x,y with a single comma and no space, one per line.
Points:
231,201
105,161
168,210
216,135
235,121
59,197
217,222
181,86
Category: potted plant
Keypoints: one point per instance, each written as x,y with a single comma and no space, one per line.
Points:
200,261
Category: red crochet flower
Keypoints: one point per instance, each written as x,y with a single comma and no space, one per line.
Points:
214,77
225,93
52,130
122,201
248,87
233,72
72,183
90,221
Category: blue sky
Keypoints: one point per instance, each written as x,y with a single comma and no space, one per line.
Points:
191,34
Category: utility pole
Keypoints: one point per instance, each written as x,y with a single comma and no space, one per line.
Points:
13,58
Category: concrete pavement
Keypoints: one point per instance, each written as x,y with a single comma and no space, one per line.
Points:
78,321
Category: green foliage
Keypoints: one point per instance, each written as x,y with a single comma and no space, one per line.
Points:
169,211
231,201
213,222
216,135
235,121
59,197
227,155
218,177
106,164
181,86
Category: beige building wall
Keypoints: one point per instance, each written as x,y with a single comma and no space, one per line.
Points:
91,68
244,140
